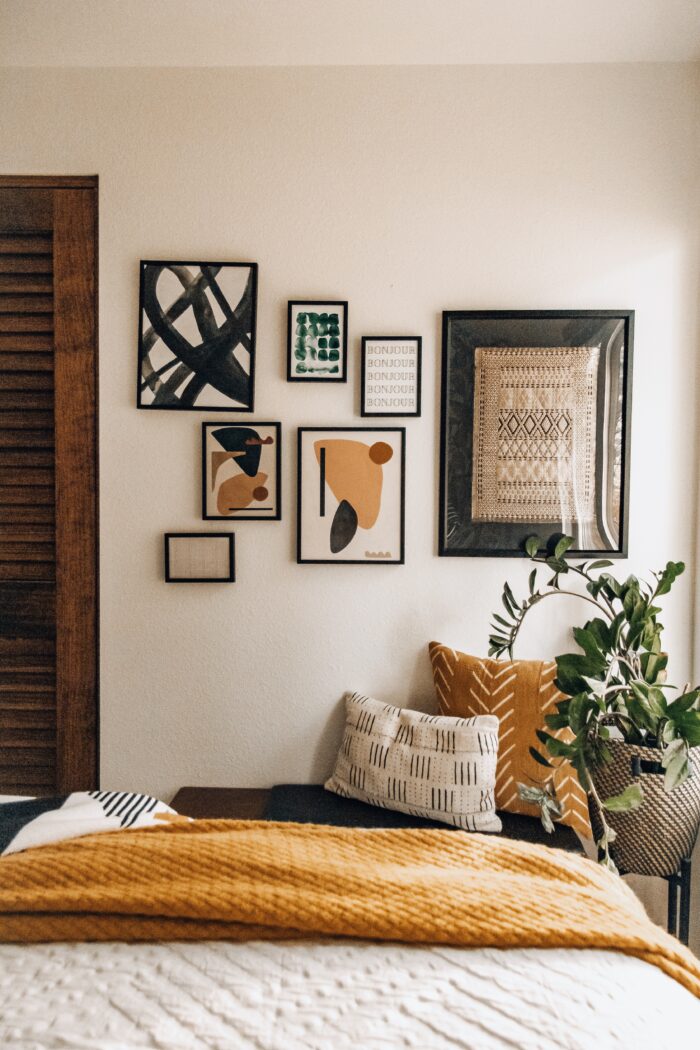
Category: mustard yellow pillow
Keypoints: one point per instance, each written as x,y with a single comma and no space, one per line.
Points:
520,693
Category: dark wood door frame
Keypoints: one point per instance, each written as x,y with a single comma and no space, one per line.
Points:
70,204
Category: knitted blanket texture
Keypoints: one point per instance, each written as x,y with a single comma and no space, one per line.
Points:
246,880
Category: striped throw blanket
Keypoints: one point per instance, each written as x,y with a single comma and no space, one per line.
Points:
29,822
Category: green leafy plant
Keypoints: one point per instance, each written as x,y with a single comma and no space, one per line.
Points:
615,684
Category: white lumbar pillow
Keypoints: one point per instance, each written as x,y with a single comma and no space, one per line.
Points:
426,765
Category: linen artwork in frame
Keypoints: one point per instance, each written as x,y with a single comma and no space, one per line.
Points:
241,471
350,495
200,557
197,336
535,430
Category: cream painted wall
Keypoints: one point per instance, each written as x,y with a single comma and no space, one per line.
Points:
406,191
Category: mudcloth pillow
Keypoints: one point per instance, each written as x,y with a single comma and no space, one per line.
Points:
440,768
520,693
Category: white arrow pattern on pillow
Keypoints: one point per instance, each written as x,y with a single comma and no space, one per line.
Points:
493,692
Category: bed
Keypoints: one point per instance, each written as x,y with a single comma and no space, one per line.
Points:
334,995
235,934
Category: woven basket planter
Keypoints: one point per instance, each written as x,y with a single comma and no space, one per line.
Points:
653,839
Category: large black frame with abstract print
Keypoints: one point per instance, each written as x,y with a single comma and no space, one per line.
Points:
197,336
481,350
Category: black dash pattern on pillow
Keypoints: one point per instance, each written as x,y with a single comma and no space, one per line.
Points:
431,766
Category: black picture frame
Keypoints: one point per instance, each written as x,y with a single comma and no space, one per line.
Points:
245,425
230,536
232,371
401,432
364,410
463,331
342,305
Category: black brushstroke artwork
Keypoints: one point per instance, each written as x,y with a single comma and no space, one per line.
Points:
197,349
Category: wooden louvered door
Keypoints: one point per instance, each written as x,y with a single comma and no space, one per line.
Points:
48,485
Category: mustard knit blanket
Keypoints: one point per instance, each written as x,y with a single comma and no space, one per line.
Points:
242,880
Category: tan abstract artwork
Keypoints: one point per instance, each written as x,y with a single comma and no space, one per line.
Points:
534,434
241,471
351,502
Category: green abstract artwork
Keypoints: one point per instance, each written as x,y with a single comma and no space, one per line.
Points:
317,341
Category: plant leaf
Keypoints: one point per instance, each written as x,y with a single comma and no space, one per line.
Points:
556,721
594,685
562,546
511,597
669,575
558,749
557,564
685,702
677,770
532,545
610,585
629,799
573,668
587,641
534,753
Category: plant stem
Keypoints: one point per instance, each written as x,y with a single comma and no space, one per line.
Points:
587,576
601,814
583,597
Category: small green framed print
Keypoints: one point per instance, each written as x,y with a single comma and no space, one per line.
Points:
317,341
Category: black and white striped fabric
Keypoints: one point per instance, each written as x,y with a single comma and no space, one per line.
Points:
29,822
426,765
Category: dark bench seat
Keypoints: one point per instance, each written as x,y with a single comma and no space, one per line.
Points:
312,804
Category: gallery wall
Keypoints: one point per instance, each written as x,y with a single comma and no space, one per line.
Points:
405,191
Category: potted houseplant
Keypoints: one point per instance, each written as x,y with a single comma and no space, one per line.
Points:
633,739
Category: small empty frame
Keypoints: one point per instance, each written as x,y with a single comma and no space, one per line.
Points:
199,557
391,375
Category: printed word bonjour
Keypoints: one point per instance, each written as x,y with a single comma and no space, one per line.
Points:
377,554
391,380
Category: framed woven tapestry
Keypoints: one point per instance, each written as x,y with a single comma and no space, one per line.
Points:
535,430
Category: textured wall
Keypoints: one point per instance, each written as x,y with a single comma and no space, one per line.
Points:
406,191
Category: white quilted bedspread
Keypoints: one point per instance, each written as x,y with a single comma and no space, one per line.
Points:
334,995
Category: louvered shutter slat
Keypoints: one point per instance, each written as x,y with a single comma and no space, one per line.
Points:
27,506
